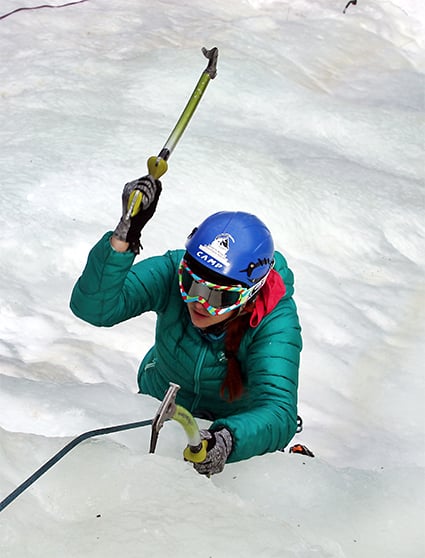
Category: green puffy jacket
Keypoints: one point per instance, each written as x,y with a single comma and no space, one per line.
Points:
112,289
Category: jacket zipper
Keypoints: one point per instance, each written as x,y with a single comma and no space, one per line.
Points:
197,377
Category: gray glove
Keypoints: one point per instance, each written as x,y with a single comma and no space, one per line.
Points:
135,218
219,446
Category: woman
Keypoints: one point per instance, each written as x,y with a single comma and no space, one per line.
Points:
227,328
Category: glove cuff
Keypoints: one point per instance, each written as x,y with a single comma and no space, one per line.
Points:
121,230
225,439
125,233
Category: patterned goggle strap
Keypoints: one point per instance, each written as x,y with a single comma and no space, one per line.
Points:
217,299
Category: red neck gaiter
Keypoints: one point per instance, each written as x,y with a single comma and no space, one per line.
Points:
270,294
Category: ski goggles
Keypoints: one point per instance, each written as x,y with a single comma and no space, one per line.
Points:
217,299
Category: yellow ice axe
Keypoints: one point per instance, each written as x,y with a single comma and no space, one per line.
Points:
196,451
157,165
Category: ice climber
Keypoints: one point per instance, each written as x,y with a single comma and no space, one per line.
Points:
227,329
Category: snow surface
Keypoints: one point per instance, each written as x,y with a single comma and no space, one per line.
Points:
314,123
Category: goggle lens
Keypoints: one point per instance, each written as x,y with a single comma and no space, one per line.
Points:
217,299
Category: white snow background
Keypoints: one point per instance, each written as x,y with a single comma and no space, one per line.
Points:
314,123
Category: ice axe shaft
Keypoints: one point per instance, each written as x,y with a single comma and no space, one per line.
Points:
158,166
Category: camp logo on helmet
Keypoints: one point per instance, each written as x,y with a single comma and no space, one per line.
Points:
215,253
234,244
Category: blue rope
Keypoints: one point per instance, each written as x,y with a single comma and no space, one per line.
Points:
49,464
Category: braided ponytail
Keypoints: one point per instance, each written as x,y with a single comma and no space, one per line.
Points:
233,386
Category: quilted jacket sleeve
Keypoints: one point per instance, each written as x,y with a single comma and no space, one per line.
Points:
111,290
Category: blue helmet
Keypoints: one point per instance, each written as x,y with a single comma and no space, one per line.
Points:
234,246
